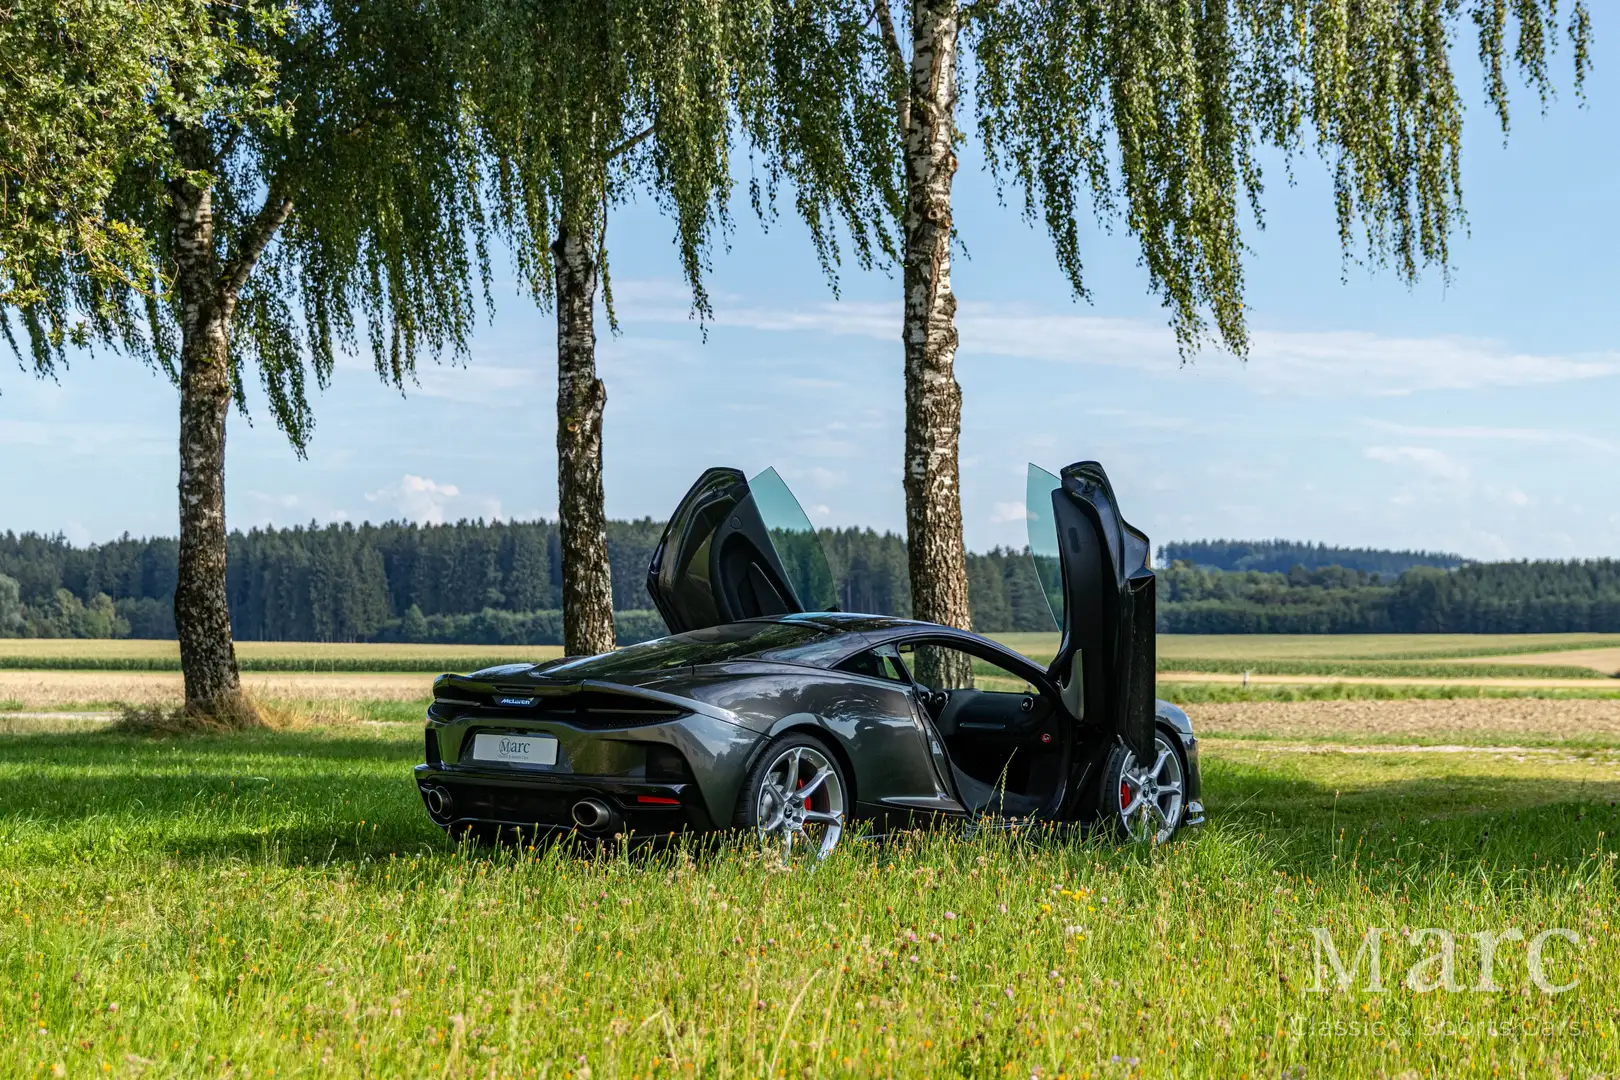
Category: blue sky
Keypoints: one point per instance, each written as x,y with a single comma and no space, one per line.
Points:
1477,416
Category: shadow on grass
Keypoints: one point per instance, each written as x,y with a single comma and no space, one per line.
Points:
297,795
314,797
1497,823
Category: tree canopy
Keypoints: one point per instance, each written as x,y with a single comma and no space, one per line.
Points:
1155,112
582,104
334,130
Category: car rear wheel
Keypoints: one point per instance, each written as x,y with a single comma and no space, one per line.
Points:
1145,802
794,799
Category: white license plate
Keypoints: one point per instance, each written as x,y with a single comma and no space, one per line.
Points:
526,749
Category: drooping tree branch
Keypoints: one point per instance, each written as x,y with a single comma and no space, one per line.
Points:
631,143
897,64
252,242
1154,112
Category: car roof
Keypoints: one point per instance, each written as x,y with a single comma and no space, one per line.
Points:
868,631
851,622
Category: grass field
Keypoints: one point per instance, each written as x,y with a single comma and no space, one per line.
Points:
278,905
275,656
384,681
1452,656
1239,647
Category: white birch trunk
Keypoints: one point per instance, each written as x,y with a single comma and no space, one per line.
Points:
938,561
581,398
201,615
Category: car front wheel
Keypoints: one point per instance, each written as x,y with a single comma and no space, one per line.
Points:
794,799
1146,802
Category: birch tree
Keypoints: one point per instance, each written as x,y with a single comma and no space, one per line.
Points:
230,190
580,104
1152,113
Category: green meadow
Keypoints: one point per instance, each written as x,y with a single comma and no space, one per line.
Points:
279,905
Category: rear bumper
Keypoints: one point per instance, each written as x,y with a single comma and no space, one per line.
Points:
470,796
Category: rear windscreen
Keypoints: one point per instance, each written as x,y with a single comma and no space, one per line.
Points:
792,642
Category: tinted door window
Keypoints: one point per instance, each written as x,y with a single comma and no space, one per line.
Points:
798,548
877,664
1043,538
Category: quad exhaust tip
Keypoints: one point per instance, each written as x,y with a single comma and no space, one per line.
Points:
592,814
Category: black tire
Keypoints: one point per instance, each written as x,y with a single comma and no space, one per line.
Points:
814,767
1163,805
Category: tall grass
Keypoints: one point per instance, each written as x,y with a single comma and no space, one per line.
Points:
279,903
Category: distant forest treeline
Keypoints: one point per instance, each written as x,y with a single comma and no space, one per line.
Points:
1281,556
466,583
499,583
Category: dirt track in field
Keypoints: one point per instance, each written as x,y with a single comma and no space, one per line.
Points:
1460,719
69,689
1604,660
1502,683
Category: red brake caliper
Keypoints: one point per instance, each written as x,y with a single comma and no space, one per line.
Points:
1124,795
796,787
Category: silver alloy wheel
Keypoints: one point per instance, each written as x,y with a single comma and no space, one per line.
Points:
1152,800
801,803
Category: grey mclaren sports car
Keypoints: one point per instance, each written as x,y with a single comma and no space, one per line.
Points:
768,711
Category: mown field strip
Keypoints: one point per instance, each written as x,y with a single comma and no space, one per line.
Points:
35,690
1503,667
294,651
1604,660
1608,757
1468,721
1239,647
1486,677
80,689
1344,654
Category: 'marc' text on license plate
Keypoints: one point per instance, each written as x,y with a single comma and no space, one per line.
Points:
526,749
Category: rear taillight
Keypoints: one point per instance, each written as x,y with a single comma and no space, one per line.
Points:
656,800
432,747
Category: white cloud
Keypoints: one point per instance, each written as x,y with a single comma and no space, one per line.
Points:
1539,436
1004,512
89,438
815,475
1331,362
1426,459
485,384
421,499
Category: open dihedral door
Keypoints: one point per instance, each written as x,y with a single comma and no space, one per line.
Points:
738,549
1093,568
